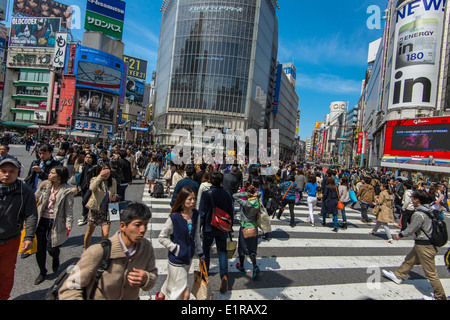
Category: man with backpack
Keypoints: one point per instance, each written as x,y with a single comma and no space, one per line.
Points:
424,250
130,268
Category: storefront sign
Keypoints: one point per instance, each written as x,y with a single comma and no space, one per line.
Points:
60,50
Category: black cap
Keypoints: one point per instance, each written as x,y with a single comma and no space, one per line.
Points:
12,161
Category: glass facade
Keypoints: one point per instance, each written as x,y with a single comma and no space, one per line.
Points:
208,58
212,56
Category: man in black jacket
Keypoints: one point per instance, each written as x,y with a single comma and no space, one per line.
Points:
223,200
41,167
127,176
17,207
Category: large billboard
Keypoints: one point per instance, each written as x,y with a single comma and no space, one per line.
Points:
98,70
96,106
137,68
417,54
106,16
418,138
34,32
44,8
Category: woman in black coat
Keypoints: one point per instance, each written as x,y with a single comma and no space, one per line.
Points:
330,202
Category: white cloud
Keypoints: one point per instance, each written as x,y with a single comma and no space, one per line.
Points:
328,83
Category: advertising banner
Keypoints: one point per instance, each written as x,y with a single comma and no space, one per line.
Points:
44,8
66,101
419,138
96,105
29,58
98,70
114,9
92,126
360,142
137,68
106,25
417,52
60,50
34,32
135,90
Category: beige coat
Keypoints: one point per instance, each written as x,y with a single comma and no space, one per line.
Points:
63,210
99,192
113,284
386,213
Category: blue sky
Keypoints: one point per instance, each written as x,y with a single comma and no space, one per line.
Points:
327,40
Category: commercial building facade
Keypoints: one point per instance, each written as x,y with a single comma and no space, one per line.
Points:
216,66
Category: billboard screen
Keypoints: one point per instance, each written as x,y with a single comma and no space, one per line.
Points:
98,70
418,138
44,8
34,32
96,106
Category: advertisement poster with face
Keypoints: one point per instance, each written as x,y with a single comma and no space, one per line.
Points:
95,105
34,32
44,8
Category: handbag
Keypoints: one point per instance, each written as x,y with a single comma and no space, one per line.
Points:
340,205
220,219
200,289
250,232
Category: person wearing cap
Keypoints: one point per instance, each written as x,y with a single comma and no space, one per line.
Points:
17,208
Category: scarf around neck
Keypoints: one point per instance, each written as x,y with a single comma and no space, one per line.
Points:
6,190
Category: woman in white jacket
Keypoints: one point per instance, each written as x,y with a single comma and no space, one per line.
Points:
204,186
407,206
54,199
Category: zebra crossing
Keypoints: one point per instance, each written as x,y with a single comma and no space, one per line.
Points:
308,263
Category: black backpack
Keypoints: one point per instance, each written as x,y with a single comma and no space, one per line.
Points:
158,190
52,293
439,234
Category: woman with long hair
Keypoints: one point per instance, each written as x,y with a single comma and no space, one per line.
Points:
104,191
55,200
385,214
181,236
330,202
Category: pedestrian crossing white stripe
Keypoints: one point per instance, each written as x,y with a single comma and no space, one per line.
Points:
303,229
303,263
408,290
324,243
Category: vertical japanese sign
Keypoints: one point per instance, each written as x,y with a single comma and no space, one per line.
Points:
60,50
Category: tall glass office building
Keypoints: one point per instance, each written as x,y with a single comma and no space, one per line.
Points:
216,65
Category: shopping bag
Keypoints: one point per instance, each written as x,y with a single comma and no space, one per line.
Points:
33,248
114,211
264,220
200,289
231,247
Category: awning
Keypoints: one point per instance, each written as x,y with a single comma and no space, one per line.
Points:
16,124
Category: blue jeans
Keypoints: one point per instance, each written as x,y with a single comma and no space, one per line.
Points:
221,244
344,216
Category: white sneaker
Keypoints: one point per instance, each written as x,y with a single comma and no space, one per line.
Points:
429,298
391,276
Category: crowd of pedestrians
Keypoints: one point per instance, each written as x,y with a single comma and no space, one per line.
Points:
40,207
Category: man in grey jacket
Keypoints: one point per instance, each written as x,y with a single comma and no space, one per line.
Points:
423,252
17,207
